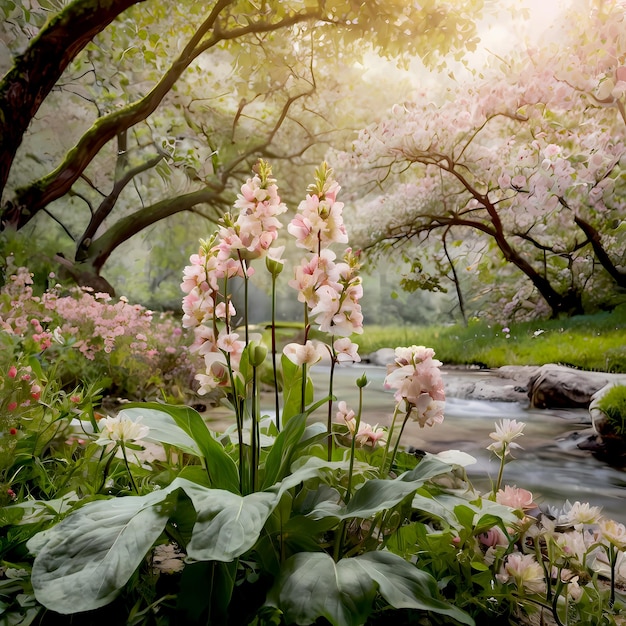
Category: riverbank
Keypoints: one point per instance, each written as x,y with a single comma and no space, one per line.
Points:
543,386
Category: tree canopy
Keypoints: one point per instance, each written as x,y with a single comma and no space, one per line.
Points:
522,170
161,107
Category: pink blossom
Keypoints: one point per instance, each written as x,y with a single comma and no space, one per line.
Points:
303,354
12,406
516,498
416,377
345,350
524,571
12,373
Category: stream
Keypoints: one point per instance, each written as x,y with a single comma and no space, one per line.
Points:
550,465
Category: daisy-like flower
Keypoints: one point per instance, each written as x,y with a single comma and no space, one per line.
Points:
613,532
581,514
524,571
506,431
121,429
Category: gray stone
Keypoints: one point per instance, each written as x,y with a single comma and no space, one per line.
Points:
557,386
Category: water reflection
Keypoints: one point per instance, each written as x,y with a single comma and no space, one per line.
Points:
550,464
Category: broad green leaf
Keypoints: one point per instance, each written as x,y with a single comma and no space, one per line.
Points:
311,585
404,586
221,468
83,562
292,390
287,444
163,429
280,455
227,524
379,494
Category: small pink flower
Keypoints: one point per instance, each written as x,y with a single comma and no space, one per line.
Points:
12,406
516,498
307,354
12,373
75,398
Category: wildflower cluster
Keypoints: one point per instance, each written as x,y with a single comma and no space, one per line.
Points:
416,378
88,336
330,290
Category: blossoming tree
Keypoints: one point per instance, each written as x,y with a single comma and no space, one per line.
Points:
157,95
529,161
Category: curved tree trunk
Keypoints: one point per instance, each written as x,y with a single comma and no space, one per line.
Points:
595,240
35,72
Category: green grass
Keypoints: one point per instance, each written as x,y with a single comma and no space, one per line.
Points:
589,342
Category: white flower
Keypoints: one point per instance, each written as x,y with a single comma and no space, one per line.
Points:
121,429
506,431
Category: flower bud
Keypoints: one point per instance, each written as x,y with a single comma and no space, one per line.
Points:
274,266
257,353
361,381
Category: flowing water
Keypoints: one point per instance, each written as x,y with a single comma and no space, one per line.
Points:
550,464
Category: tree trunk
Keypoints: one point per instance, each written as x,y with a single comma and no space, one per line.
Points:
36,71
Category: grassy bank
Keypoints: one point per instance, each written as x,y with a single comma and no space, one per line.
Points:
590,342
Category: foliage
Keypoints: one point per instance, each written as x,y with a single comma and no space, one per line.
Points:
79,336
153,518
515,180
613,405
165,108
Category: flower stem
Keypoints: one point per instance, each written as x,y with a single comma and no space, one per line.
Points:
496,487
329,425
130,474
383,463
397,444
274,369
357,423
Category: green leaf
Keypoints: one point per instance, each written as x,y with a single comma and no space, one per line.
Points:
227,524
280,455
311,585
83,562
378,494
287,445
404,586
163,429
292,389
221,468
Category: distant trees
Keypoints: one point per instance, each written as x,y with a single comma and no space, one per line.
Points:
157,108
527,166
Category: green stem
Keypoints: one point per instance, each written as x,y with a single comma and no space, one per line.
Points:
254,433
496,487
274,369
329,425
238,417
397,444
612,560
107,466
555,601
244,267
303,389
357,423
130,474
389,434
